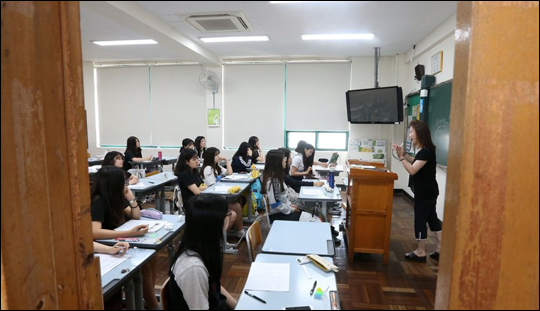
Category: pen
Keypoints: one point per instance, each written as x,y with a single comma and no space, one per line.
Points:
253,296
313,289
150,182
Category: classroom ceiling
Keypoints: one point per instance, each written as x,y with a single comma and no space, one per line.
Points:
397,26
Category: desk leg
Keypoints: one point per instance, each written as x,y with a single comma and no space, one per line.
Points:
162,200
130,296
170,252
324,208
137,280
250,205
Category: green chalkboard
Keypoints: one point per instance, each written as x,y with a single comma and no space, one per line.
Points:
438,118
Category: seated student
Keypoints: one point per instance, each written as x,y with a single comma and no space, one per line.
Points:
195,275
112,204
115,158
291,182
274,186
241,160
187,143
310,161
211,170
299,170
133,153
256,149
200,146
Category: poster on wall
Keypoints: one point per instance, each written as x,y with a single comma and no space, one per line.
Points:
213,118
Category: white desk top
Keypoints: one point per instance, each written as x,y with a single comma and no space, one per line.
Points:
295,237
115,278
299,287
337,168
318,194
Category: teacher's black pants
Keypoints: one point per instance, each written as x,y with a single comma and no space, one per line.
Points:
425,212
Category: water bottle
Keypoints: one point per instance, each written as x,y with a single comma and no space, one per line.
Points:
331,178
159,154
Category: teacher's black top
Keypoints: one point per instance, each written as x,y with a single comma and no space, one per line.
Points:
423,183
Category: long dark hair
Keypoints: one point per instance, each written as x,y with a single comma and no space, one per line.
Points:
308,161
198,145
423,134
132,146
253,142
273,169
209,156
287,155
242,151
186,142
300,146
111,156
204,232
181,165
109,185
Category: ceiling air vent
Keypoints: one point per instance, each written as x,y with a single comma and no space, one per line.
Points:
219,22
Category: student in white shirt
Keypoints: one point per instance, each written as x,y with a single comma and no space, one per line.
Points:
195,275
211,173
298,169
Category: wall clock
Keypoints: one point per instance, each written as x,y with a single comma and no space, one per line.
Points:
436,63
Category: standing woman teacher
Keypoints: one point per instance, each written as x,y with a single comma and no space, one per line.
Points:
424,185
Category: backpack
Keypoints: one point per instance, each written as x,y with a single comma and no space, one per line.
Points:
256,190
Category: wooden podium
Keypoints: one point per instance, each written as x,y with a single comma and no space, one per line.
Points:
370,195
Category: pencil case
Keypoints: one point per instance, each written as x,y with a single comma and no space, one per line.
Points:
321,263
151,213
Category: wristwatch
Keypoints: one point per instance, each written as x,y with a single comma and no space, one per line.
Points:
132,201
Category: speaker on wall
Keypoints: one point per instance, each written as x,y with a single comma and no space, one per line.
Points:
419,72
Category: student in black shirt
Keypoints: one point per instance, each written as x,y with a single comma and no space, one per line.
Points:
191,183
424,185
257,155
112,205
134,153
241,161
115,158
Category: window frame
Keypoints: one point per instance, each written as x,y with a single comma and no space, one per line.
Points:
317,139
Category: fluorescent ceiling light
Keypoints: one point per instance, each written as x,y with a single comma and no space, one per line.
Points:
277,2
235,39
338,37
124,42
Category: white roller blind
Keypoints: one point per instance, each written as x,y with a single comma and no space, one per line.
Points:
253,104
316,96
178,104
123,108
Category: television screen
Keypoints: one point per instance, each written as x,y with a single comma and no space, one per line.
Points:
378,105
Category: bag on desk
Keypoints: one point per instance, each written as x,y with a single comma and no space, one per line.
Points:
151,213
322,263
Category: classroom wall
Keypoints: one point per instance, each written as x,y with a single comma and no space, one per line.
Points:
441,39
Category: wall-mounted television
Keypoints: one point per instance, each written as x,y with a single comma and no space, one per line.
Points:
377,105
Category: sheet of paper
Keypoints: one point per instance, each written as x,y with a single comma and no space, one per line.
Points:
153,225
138,185
237,176
312,191
221,189
107,262
271,277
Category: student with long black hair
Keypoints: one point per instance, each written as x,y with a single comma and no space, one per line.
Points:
291,182
187,143
423,183
210,172
299,168
112,205
241,160
195,275
115,158
274,187
133,153
189,180
255,147
200,146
